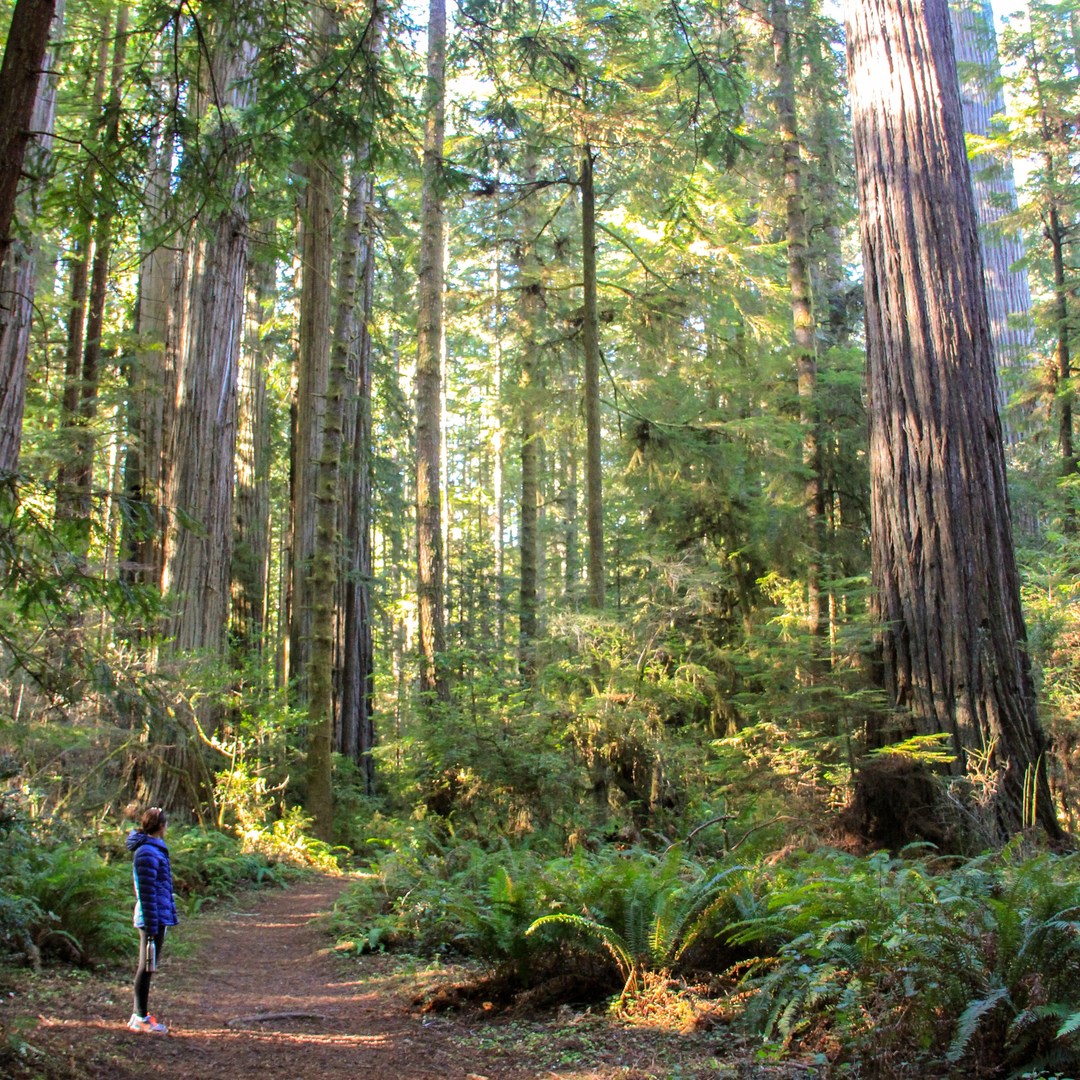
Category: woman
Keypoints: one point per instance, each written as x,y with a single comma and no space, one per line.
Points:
155,909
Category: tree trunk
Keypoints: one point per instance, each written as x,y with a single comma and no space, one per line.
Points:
18,274
1056,235
251,529
351,363
803,320
202,440
594,494
82,473
530,308
569,500
20,75
498,444
313,373
1008,296
947,589
430,553
72,501
358,650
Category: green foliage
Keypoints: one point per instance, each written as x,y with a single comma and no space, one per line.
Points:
58,896
947,968
207,864
64,896
513,907
944,965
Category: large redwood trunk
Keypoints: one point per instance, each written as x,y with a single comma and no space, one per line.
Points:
948,594
18,273
20,75
203,412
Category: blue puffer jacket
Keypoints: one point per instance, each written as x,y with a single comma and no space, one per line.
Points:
155,907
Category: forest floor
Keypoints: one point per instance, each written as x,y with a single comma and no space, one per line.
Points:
255,989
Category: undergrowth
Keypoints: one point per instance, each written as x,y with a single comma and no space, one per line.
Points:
891,966
67,896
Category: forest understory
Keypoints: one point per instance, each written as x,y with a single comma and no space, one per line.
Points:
254,989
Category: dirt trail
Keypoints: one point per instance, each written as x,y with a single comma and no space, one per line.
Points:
255,991
260,997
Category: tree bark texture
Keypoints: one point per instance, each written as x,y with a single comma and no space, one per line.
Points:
251,503
590,331
18,271
313,374
20,75
947,588
430,551
202,439
152,373
1008,295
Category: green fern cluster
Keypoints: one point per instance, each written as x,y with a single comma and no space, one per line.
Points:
208,865
947,969
63,896
648,912
430,893
58,896
516,907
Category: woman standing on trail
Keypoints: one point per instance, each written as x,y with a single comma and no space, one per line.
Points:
155,909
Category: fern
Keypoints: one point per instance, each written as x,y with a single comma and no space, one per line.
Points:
611,941
1069,1026
970,1020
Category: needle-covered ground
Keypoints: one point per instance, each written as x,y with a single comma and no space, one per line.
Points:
257,991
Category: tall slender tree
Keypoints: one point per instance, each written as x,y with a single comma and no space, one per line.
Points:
79,395
983,105
530,308
352,338
84,389
321,180
590,335
804,322
429,348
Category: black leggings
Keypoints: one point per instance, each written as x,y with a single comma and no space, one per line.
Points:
142,974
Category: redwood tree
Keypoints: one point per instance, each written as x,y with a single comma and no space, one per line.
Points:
429,543
27,40
947,589
18,260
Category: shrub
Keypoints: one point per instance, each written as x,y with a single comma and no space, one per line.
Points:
945,969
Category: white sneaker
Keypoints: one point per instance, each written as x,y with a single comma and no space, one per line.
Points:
147,1024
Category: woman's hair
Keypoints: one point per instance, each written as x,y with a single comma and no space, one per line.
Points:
152,820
